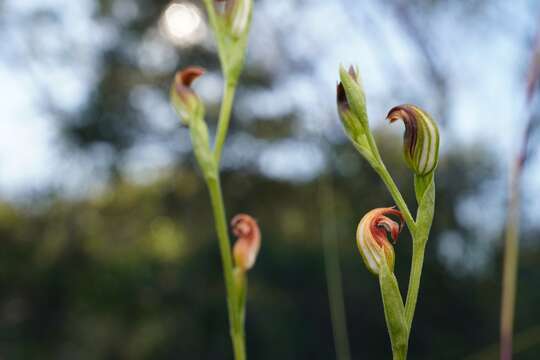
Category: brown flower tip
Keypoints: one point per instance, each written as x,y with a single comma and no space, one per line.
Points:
342,101
184,100
353,72
184,78
248,242
407,114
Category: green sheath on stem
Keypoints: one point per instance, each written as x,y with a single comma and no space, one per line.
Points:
424,219
394,313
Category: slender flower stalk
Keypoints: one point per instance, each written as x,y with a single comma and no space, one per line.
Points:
510,265
332,267
224,117
511,242
421,153
230,21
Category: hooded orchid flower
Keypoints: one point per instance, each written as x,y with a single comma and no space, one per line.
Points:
248,241
421,138
185,101
372,237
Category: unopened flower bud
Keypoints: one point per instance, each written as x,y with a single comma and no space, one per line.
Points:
421,138
237,14
248,241
351,102
184,100
372,238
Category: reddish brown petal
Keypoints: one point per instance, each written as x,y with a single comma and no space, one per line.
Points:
383,225
188,75
183,80
342,101
408,115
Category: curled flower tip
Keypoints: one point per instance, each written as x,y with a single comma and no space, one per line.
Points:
372,237
421,138
188,75
185,101
248,242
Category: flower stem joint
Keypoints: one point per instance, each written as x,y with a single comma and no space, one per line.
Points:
372,238
421,138
185,101
248,241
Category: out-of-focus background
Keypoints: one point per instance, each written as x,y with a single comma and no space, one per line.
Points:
107,248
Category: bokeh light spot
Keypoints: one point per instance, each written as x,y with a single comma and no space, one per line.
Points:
182,23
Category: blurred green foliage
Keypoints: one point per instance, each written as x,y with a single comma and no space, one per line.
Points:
134,273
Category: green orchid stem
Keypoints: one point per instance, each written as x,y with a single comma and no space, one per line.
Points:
231,58
394,313
235,314
414,282
419,240
239,345
211,12
399,355
229,90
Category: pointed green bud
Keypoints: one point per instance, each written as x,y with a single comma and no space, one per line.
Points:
421,138
351,99
372,238
185,101
351,104
237,15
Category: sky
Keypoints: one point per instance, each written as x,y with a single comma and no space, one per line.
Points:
486,64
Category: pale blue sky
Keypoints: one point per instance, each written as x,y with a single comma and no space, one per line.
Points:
485,62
